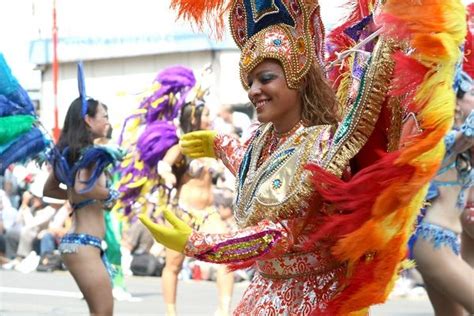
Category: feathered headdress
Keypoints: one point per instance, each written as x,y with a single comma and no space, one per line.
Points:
20,137
290,31
150,133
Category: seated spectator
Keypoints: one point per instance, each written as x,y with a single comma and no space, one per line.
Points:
138,239
57,228
33,216
7,219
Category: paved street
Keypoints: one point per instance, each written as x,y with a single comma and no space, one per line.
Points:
56,294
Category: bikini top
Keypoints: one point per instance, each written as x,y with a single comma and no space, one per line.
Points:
462,164
101,157
196,167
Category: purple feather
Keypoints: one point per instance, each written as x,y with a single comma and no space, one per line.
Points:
157,138
177,80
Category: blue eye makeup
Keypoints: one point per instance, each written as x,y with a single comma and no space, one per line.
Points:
267,77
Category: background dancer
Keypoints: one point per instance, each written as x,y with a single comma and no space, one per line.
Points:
437,248
80,165
165,171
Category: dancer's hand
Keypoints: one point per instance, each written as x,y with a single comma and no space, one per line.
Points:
198,144
173,238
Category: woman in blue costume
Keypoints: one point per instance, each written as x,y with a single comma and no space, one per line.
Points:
448,278
80,166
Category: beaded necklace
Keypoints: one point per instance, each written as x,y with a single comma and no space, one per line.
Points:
273,140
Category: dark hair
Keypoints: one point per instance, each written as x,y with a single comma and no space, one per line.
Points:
190,119
460,94
75,133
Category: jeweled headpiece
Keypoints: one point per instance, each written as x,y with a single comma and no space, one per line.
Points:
290,31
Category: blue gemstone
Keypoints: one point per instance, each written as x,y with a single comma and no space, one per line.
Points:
277,42
276,183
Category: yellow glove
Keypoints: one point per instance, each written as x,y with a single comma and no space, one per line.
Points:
173,238
198,144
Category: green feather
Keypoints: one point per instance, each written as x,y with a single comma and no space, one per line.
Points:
13,126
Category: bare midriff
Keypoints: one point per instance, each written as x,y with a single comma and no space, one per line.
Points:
443,211
196,192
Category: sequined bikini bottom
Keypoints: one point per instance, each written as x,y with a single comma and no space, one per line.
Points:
70,243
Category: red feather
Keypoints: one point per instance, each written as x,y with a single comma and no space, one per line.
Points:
408,74
469,45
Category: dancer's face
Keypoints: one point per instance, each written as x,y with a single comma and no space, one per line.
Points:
205,119
98,124
274,101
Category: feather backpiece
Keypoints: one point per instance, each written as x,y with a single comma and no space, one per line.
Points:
20,137
377,207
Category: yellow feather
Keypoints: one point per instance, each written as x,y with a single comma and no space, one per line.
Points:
137,183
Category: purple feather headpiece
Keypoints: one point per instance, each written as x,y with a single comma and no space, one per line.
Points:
162,106
174,84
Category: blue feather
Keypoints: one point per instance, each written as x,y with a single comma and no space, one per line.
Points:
97,156
8,83
62,170
20,97
23,148
82,87
11,89
8,108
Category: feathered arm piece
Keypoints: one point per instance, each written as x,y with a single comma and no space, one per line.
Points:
99,157
378,206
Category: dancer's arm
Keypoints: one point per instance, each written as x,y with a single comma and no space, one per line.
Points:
267,239
459,141
210,144
263,241
52,188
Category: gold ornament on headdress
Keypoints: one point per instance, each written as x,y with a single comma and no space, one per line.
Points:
290,31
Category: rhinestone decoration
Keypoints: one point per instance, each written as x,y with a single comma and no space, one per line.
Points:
276,184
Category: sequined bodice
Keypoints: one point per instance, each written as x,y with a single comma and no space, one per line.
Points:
272,190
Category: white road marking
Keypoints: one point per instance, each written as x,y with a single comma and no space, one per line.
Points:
17,290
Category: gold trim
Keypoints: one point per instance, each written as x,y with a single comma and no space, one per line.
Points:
377,82
257,16
395,129
250,210
304,274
